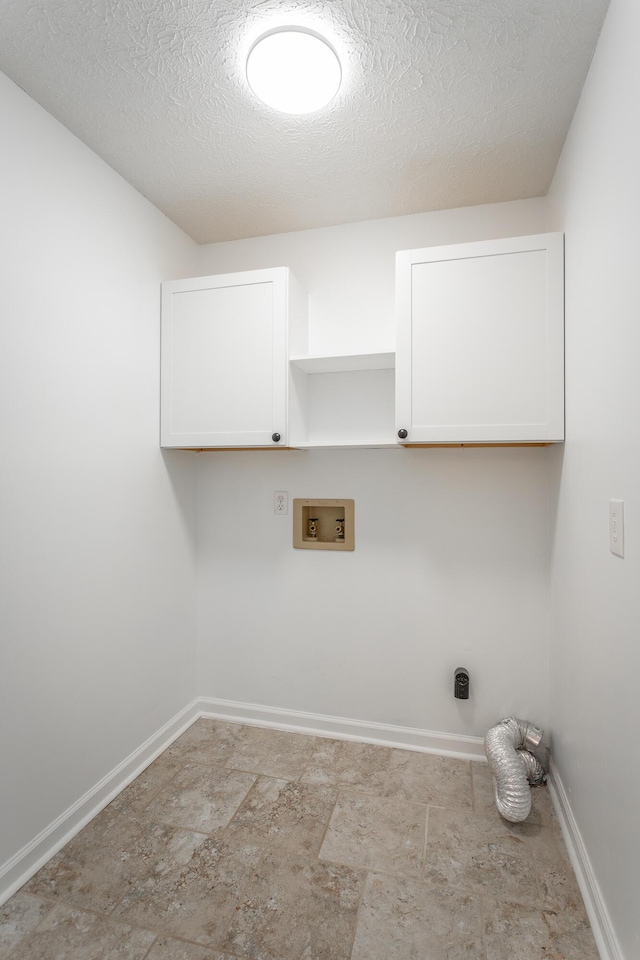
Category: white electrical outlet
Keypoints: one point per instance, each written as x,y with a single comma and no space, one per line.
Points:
616,527
281,502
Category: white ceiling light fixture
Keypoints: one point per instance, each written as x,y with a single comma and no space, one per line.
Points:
293,70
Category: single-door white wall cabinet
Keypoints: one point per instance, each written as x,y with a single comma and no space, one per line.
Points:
225,358
480,342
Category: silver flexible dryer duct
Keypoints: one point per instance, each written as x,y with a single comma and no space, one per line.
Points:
510,747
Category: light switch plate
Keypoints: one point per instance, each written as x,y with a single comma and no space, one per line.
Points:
616,527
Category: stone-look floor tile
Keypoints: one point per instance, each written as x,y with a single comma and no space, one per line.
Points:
134,798
209,740
202,798
18,917
296,908
95,868
377,833
194,893
345,764
290,816
215,737
273,753
478,854
70,934
426,778
558,885
407,920
166,948
206,742
514,931
571,933
545,841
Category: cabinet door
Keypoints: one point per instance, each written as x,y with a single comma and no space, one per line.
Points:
480,354
224,360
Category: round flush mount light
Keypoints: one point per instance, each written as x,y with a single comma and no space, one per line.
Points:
293,70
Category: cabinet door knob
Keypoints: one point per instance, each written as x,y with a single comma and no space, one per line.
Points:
275,437
402,434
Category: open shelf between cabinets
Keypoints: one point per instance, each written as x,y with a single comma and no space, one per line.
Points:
345,363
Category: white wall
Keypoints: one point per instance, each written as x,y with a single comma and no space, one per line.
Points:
451,559
595,647
97,549
349,270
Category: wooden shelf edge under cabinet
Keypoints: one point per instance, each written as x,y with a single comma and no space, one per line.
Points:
228,449
519,443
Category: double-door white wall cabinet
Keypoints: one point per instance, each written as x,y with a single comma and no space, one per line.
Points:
480,342
225,358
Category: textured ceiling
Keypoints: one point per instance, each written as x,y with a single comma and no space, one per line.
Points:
443,104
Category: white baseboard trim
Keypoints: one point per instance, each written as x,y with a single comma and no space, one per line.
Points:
597,912
27,861
341,728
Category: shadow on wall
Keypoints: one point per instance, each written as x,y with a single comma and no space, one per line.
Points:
181,467
555,464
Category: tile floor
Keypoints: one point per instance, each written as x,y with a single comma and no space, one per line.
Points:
240,842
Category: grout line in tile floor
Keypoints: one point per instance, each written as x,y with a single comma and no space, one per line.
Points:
483,926
306,767
365,884
328,823
426,835
151,946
